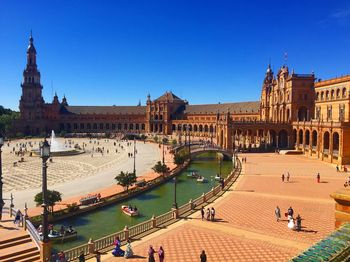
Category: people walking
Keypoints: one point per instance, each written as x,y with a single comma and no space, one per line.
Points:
337,168
151,252
290,212
288,176
212,214
318,177
208,214
298,226
128,252
81,257
202,213
278,213
203,256
17,219
282,177
161,254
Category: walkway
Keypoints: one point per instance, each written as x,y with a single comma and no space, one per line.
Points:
246,228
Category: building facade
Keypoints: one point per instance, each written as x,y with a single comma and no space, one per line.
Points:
294,111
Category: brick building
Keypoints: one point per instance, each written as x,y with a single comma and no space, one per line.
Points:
294,112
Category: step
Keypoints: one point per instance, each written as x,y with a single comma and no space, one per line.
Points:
35,258
15,241
17,250
28,256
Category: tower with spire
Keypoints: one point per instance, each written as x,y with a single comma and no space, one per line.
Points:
265,94
31,102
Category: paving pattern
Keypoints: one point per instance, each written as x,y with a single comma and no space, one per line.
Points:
246,228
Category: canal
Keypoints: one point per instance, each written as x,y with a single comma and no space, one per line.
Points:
110,219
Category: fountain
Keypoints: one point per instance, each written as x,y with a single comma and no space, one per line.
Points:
59,149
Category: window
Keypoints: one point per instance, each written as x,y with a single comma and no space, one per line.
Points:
318,112
113,126
81,126
343,93
338,93
329,113
95,126
341,112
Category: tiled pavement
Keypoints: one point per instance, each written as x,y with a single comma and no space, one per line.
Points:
246,229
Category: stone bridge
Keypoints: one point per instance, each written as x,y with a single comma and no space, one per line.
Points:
197,149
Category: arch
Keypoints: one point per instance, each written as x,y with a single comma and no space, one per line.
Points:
326,141
335,143
211,129
301,141
206,128
190,127
282,139
179,126
294,137
119,126
195,128
131,126
317,96
314,138
302,113
288,115
142,126
338,93
173,127
343,92
272,137
200,128
137,126
160,117
327,94
184,127
307,137
332,94
156,117
221,139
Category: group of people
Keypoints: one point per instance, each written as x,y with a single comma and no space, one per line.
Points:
118,252
285,177
152,251
294,224
344,168
244,160
347,183
210,214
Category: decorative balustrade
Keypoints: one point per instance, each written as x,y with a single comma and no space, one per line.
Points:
164,218
33,232
74,253
148,225
140,228
108,240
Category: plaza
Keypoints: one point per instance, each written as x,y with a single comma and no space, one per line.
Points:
246,227
73,176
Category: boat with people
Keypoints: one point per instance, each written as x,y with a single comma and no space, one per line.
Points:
193,174
130,211
217,177
62,235
201,179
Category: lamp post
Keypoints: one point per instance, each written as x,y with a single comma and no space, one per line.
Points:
189,142
163,151
175,203
220,165
45,154
1,199
134,156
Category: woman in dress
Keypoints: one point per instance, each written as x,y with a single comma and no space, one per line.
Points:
151,252
128,252
117,251
161,254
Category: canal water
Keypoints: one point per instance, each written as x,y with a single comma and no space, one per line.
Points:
110,219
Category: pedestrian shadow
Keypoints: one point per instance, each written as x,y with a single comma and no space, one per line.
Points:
8,228
220,220
242,190
324,182
292,182
136,257
303,229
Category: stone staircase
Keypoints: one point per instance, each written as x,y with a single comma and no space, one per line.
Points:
16,245
19,248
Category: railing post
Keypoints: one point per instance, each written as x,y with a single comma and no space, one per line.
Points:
203,196
126,232
25,216
175,213
191,204
11,205
154,221
91,246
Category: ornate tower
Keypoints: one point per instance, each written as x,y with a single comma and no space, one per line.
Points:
31,103
265,94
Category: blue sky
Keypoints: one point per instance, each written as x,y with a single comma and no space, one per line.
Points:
116,52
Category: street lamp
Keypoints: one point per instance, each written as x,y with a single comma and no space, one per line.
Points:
45,155
175,203
134,156
163,151
1,199
189,142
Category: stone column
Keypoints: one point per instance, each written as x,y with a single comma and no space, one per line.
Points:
342,206
45,251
